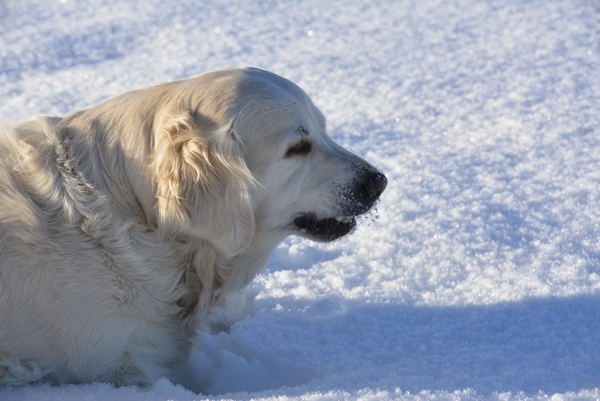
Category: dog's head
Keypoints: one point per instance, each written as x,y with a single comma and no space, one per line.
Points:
244,151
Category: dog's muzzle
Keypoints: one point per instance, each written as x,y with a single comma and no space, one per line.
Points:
354,202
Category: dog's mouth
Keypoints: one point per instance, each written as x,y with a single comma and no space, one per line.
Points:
327,229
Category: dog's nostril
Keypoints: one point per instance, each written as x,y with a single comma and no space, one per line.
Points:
376,185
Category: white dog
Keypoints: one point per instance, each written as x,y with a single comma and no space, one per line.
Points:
127,227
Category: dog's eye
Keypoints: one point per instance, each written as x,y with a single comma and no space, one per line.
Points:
299,149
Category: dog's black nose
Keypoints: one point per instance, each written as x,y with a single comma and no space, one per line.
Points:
369,186
375,185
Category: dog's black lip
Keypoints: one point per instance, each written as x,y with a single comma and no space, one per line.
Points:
325,229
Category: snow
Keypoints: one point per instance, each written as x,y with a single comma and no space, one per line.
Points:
478,274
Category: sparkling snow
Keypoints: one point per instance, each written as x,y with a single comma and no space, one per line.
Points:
478,274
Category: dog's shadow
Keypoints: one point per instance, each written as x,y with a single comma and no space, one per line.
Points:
545,344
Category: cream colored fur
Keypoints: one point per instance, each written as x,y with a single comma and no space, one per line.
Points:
128,226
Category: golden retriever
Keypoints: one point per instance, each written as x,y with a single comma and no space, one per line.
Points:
128,226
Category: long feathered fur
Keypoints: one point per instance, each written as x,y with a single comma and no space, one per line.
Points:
67,206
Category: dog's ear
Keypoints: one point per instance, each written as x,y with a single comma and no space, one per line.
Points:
203,183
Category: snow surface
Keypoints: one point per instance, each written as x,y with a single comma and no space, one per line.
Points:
477,277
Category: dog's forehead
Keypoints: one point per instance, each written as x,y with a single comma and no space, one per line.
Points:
261,103
273,92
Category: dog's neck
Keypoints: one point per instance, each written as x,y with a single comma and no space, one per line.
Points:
107,152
